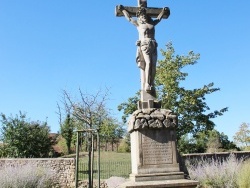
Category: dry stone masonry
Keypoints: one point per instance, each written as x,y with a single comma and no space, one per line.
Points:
152,118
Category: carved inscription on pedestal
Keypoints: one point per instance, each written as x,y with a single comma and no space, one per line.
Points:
156,148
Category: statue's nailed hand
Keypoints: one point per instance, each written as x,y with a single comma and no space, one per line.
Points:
165,9
120,7
138,43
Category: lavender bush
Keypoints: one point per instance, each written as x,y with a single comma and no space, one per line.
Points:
244,175
216,173
26,177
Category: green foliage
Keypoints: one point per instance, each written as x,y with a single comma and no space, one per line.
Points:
189,104
210,141
226,144
243,179
22,138
213,143
242,137
189,145
67,131
111,131
4,150
124,145
61,145
129,107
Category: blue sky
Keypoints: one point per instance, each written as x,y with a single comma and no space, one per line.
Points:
47,46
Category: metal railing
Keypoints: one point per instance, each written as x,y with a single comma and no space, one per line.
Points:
107,170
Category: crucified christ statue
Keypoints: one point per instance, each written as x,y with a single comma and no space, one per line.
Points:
146,56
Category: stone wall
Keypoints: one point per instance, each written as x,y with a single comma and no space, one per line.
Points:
219,155
63,168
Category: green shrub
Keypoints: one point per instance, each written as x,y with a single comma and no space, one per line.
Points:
123,147
244,175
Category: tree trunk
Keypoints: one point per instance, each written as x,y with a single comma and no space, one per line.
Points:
112,144
106,145
68,147
96,144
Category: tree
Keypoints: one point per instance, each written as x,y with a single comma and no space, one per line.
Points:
90,110
67,131
67,126
111,131
188,104
87,112
187,145
226,144
22,138
242,137
210,141
129,107
124,146
213,142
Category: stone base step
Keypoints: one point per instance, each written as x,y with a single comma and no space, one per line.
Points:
182,183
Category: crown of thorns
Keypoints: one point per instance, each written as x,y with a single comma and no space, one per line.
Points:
141,10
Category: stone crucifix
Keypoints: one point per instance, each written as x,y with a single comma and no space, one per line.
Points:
146,56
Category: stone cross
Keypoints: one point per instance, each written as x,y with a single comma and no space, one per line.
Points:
151,11
146,56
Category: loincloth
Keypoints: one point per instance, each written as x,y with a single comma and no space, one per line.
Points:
148,46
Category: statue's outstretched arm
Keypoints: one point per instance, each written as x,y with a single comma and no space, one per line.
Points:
160,16
127,15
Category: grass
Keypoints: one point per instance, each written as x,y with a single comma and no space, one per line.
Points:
105,156
114,156
112,164
107,170
243,179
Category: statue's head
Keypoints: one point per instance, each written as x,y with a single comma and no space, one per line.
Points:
141,11
142,15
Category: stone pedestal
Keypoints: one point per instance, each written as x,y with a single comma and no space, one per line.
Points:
153,155
153,150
